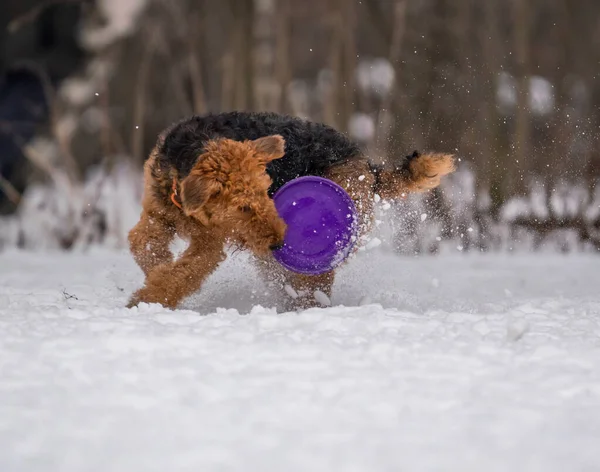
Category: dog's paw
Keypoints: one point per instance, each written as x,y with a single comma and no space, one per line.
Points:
426,170
134,300
305,300
146,295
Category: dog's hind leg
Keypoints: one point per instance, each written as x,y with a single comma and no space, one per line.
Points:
305,291
310,289
295,291
169,283
149,241
356,178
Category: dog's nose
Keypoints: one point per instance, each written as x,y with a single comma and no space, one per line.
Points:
276,246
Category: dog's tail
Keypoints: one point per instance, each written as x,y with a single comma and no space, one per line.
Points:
415,173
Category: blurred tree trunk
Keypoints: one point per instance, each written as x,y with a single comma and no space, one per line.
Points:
265,84
339,105
331,102
195,60
593,168
243,56
525,161
492,175
283,70
413,75
394,102
441,63
349,63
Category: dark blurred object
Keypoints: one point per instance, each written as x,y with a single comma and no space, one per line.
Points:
23,108
42,33
37,43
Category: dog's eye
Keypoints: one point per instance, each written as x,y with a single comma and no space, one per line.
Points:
245,209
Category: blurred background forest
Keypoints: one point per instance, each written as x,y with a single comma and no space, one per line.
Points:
511,87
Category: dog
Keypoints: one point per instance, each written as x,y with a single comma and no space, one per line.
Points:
210,179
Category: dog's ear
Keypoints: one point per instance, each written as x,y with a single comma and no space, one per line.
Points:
196,189
270,147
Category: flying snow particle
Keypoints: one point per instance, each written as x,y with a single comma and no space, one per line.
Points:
290,291
423,216
516,329
322,298
373,243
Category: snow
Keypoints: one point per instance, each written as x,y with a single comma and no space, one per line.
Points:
291,291
120,20
322,298
373,243
59,210
78,92
361,127
375,75
462,362
540,94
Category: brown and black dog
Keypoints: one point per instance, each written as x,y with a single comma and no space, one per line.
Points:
210,180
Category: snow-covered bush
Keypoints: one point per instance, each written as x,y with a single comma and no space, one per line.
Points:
62,214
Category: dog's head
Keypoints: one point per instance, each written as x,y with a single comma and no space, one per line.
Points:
227,189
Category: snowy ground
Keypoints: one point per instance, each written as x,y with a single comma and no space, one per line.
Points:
479,363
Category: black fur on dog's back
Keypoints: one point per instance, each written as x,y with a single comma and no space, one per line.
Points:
310,148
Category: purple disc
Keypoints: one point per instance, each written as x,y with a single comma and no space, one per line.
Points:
322,225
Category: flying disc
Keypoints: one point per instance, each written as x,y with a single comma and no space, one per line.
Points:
322,225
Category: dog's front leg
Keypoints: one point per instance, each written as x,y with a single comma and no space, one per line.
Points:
149,241
169,283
